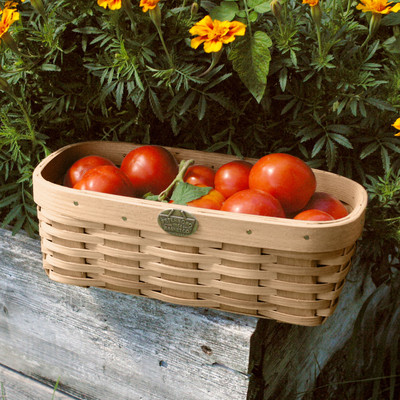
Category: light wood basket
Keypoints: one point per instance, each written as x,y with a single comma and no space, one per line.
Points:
287,270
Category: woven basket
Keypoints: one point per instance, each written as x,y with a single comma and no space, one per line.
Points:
287,270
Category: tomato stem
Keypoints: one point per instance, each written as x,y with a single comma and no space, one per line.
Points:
183,166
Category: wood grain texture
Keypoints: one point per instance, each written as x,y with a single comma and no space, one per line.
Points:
20,387
109,345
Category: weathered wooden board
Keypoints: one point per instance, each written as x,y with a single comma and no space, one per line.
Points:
16,386
107,345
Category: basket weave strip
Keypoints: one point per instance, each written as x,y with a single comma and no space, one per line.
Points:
181,301
85,282
157,267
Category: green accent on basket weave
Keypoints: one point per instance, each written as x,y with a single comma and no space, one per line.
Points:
76,203
307,237
124,218
249,231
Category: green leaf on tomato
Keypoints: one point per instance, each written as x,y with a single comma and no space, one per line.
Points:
185,192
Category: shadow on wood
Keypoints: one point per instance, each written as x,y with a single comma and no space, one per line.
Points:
286,360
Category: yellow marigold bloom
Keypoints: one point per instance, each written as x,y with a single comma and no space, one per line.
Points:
311,3
8,16
215,33
397,126
111,4
378,6
148,4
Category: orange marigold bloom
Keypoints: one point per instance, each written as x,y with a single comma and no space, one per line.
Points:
397,126
111,4
214,33
378,6
148,4
311,3
8,16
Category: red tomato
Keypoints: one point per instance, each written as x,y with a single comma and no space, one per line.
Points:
314,215
150,169
80,167
232,177
328,203
285,177
250,201
213,200
199,175
106,179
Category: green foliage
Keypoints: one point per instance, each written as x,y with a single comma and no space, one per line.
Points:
382,228
82,72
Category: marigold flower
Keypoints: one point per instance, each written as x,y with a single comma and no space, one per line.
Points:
111,4
311,3
148,4
8,16
397,126
215,33
378,6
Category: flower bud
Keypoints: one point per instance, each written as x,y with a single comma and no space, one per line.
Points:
39,7
276,8
374,23
194,9
155,15
316,14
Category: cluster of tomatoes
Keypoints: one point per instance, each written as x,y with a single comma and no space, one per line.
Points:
277,185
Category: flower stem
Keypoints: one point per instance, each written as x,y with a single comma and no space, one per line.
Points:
367,39
246,9
127,6
214,61
183,166
160,34
180,12
318,30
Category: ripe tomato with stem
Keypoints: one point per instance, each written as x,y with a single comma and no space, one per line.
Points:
150,168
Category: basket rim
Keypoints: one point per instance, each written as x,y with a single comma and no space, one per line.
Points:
354,218
356,213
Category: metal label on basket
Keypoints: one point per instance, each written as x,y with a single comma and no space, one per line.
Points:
177,222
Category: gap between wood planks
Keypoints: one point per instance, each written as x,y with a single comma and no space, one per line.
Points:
18,386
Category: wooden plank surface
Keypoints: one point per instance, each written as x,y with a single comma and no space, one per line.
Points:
108,345
16,386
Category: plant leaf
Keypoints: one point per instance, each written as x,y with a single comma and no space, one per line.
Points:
185,192
155,105
250,59
226,11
